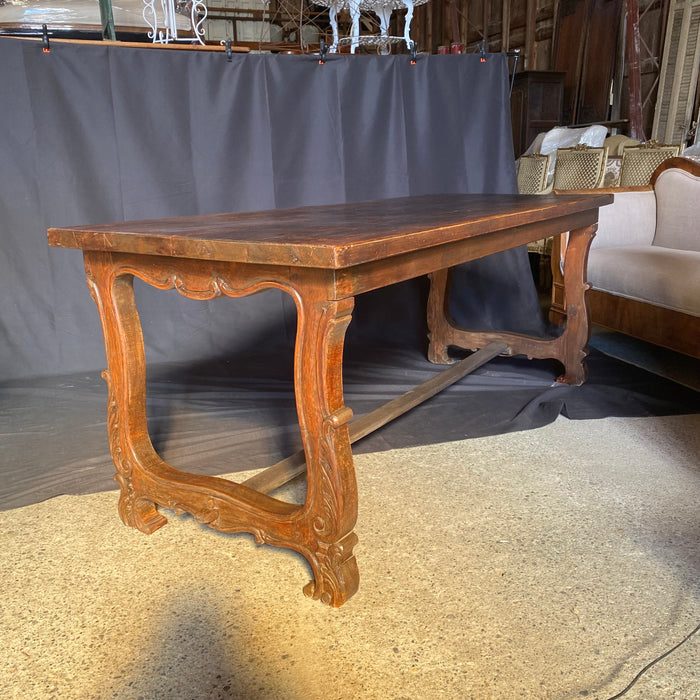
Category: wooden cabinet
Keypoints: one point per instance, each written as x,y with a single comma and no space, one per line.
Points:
535,105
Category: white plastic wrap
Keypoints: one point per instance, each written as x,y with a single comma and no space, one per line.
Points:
565,137
692,152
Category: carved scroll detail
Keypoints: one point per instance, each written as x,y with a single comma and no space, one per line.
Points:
336,574
124,467
329,482
200,282
133,511
209,515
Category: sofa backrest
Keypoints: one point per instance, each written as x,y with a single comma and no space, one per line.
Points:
677,188
629,220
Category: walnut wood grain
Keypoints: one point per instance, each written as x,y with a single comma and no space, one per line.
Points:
335,236
322,257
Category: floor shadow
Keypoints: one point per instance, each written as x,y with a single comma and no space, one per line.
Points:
201,647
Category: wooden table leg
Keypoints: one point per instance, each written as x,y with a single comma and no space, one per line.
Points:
440,323
321,529
569,347
577,331
125,375
330,511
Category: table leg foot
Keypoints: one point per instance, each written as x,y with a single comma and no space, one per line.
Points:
438,355
138,512
575,370
336,576
573,379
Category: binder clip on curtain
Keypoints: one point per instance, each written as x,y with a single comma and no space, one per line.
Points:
323,50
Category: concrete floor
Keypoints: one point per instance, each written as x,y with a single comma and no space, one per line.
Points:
551,563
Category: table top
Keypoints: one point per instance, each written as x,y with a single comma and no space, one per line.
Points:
330,236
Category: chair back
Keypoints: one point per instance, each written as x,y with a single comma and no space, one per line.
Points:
639,162
580,167
532,174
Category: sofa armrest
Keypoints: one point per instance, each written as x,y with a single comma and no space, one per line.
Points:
629,221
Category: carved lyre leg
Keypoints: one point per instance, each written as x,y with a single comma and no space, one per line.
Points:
129,442
569,348
331,506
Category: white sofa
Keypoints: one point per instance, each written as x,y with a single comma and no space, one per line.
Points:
644,263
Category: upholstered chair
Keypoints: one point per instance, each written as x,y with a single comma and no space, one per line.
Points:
532,174
639,162
579,168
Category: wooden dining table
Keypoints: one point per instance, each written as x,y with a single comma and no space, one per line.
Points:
323,257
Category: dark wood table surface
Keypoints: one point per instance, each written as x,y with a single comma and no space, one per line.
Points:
331,236
323,256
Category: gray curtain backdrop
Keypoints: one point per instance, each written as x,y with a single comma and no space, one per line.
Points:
93,134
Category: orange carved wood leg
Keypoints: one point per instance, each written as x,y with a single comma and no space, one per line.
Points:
331,505
569,348
321,529
126,378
